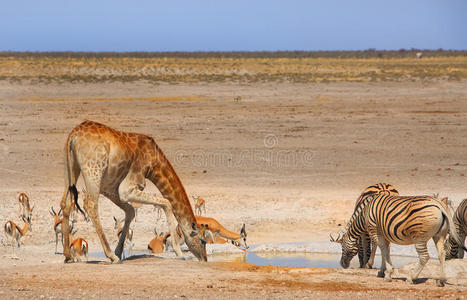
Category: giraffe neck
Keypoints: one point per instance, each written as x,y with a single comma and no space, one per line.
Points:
167,181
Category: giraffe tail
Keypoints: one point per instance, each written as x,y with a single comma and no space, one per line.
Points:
71,180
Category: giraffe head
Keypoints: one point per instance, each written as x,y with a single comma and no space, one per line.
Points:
196,241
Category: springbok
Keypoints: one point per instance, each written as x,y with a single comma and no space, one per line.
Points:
200,204
157,244
57,226
214,229
129,236
25,209
79,247
15,232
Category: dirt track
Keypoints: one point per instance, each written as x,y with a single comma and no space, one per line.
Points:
288,160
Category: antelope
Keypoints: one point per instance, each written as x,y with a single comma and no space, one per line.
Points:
214,229
25,209
156,245
79,247
15,232
200,204
57,226
129,236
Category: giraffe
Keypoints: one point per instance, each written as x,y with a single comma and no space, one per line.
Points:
116,164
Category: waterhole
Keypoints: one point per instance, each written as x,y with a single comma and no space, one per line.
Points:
284,259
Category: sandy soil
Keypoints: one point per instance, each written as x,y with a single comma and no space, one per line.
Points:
288,160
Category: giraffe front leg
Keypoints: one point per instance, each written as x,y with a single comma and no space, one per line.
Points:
130,214
130,190
66,207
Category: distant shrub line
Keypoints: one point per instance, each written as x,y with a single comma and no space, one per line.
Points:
369,53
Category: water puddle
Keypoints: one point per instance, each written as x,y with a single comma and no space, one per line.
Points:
317,260
281,259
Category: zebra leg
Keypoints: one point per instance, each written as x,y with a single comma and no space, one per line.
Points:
460,254
439,242
361,250
367,250
386,264
371,260
423,257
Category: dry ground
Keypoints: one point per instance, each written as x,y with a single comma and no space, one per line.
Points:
287,159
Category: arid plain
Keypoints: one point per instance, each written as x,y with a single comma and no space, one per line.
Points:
282,145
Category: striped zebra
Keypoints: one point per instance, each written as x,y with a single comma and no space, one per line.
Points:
460,222
364,242
403,221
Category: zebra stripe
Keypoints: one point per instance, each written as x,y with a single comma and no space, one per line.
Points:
460,222
364,242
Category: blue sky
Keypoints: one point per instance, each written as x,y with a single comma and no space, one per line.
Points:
101,25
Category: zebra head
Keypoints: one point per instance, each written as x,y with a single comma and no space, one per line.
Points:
349,250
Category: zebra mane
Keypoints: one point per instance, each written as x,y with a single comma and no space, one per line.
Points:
358,210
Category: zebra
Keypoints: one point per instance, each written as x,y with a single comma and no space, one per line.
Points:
460,222
364,241
403,221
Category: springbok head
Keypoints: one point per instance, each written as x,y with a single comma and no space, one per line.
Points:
241,242
53,213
